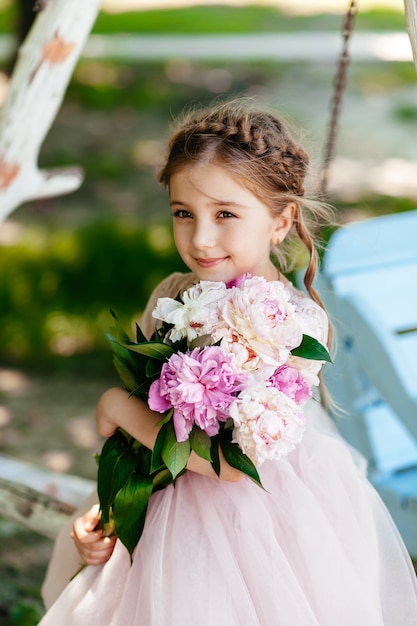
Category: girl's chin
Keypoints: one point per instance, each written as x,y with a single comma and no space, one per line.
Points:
224,277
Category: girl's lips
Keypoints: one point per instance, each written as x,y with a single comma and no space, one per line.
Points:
209,262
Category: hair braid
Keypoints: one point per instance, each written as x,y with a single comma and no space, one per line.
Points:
241,139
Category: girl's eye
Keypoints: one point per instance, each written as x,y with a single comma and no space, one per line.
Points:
226,214
181,213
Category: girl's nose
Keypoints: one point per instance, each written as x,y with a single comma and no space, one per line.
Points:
203,235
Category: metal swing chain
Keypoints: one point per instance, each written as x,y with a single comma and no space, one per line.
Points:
339,88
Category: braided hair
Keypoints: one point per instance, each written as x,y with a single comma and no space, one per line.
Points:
256,148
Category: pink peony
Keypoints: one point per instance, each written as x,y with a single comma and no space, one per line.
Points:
238,281
292,383
200,385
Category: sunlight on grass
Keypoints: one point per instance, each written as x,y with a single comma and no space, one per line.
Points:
95,73
13,381
65,247
218,80
68,334
5,416
179,70
148,152
82,432
11,233
58,460
160,238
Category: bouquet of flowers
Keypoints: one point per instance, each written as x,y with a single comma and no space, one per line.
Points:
230,367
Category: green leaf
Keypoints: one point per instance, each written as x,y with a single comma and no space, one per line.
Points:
112,450
168,415
153,368
162,479
140,337
129,510
153,349
141,391
200,443
124,468
131,500
130,537
175,454
310,348
117,329
120,351
214,451
126,375
117,462
113,447
156,461
238,459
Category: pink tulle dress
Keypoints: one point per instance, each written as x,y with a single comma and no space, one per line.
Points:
317,547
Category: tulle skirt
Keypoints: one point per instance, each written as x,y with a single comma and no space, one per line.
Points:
316,547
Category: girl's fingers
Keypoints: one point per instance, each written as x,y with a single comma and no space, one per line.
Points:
95,543
84,526
96,553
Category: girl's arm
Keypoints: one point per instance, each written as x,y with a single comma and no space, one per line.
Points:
116,408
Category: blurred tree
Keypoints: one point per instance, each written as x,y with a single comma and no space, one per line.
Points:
37,87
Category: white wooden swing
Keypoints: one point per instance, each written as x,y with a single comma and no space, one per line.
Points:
368,282
354,288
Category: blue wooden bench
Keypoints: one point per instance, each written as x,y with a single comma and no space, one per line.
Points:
368,282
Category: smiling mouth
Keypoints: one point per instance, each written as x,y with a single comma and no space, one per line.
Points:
209,262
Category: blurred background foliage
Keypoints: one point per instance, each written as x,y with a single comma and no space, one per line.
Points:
246,18
64,262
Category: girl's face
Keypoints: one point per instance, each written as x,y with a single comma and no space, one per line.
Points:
221,229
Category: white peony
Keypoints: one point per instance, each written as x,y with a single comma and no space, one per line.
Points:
314,322
267,422
261,315
196,315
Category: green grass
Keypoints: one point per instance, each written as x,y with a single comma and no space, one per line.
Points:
7,16
213,19
243,19
58,285
221,19
382,19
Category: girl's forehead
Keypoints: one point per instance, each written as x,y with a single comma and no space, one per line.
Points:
212,183
206,174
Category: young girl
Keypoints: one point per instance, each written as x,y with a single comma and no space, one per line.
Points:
316,547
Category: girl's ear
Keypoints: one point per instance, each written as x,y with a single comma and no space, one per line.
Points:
284,223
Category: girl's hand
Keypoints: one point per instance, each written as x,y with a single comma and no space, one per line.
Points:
93,548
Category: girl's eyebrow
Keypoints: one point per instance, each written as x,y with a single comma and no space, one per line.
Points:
216,202
228,203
